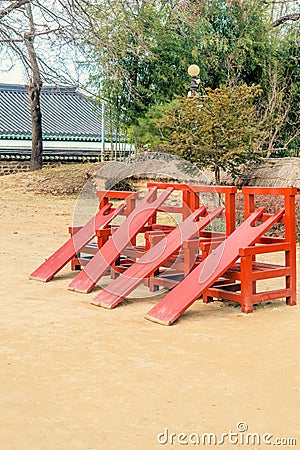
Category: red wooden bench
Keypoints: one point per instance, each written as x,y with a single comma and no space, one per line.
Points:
242,278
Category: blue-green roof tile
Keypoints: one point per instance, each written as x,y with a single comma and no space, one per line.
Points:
66,114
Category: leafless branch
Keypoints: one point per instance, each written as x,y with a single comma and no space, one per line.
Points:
13,6
294,17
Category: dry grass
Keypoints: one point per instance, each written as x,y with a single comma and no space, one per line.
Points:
59,181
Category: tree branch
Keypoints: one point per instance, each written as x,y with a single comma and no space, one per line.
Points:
14,5
283,19
29,43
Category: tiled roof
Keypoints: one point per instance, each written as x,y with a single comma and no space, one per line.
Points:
66,114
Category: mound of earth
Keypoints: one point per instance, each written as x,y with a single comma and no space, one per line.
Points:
66,179
161,168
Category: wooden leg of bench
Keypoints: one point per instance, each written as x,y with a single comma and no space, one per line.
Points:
207,298
246,284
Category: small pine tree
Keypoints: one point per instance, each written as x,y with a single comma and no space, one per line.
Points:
219,130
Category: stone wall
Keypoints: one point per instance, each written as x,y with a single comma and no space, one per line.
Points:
15,166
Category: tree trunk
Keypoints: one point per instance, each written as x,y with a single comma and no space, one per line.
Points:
34,90
217,175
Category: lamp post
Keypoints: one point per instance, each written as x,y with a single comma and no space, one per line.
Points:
194,71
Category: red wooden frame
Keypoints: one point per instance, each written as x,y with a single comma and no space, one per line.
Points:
193,251
169,308
121,238
155,257
241,279
81,259
239,282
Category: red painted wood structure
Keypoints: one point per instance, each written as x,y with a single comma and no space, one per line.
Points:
170,254
124,235
192,251
191,200
129,197
153,230
167,310
52,265
242,277
156,256
103,234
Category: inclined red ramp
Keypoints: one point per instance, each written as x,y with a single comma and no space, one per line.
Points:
167,310
111,250
122,286
52,265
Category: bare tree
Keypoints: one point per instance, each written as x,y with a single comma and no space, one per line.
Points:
276,115
40,36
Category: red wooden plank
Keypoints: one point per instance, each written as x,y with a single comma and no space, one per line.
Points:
122,286
175,186
212,189
117,194
109,252
262,249
209,270
52,265
269,190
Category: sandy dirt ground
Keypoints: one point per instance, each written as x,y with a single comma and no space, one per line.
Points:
74,376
